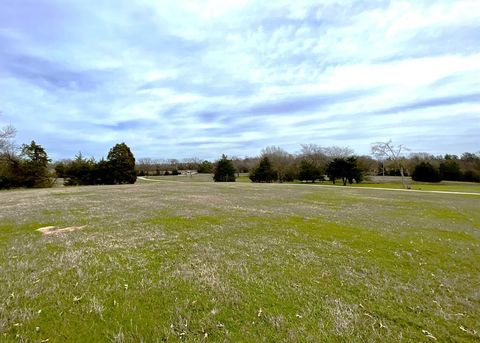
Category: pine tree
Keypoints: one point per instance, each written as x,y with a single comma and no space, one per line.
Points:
224,170
264,172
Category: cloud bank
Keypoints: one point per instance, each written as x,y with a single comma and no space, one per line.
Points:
201,78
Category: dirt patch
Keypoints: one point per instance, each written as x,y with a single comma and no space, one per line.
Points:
53,230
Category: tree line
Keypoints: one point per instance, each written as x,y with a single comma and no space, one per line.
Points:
29,166
315,163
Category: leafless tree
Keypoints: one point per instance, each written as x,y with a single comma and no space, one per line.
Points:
314,154
7,133
338,151
387,150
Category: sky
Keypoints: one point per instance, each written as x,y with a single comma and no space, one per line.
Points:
179,79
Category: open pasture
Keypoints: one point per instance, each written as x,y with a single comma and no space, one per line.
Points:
186,261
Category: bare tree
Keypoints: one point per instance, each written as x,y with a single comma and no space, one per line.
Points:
7,133
338,152
314,154
387,150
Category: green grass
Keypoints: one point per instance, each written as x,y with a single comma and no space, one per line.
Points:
197,261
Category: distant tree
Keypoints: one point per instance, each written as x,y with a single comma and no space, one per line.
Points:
426,172
450,170
174,172
367,165
11,172
345,169
309,172
166,173
7,134
338,152
264,172
386,150
282,162
316,155
35,166
206,167
80,171
121,163
224,170
10,166
471,176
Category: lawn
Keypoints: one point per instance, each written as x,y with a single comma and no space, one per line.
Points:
198,261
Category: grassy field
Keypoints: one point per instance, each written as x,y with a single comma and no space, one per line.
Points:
197,261
373,182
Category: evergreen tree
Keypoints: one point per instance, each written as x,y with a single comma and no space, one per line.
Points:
35,166
450,170
224,170
264,172
345,169
121,164
309,172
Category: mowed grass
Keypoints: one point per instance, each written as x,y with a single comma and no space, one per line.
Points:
185,261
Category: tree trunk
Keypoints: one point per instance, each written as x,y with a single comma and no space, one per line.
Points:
403,178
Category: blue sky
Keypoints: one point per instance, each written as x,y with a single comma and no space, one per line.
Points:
176,79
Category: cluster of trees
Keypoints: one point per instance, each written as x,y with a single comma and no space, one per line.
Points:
29,166
450,167
424,166
28,169
315,163
312,164
118,168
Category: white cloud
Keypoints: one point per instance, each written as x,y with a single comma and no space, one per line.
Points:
241,74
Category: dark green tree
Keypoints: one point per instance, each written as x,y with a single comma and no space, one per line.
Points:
309,172
264,172
121,164
426,172
35,166
224,170
345,169
450,170
79,171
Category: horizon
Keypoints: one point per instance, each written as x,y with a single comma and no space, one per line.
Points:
195,79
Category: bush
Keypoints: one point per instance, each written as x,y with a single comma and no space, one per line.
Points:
425,172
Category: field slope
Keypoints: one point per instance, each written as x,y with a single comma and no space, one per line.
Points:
185,261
